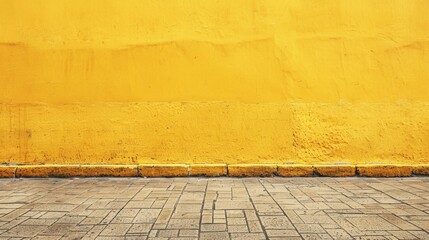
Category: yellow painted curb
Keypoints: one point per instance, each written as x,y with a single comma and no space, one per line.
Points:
209,170
295,170
421,169
7,171
252,170
384,170
77,171
234,170
163,170
335,170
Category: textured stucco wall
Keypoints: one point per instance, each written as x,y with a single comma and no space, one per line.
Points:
175,81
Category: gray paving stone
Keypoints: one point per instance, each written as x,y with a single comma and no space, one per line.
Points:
168,233
247,236
184,224
214,235
231,204
147,216
188,233
309,228
24,231
140,228
213,227
366,223
282,233
116,229
276,222
238,229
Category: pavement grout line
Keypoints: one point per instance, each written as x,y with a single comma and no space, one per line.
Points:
202,209
278,205
256,212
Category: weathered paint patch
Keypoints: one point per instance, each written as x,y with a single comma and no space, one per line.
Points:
421,169
209,170
163,170
335,170
77,171
7,171
294,170
252,170
214,170
384,170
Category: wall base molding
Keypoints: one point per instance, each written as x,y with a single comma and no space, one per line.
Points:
213,170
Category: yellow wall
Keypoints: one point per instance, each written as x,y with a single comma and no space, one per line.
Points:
189,81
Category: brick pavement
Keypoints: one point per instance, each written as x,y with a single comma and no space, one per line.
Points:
215,208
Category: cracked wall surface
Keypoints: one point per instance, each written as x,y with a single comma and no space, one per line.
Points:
214,81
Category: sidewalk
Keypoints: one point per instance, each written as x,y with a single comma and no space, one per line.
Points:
215,208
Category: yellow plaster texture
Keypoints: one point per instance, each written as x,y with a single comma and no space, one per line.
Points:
214,82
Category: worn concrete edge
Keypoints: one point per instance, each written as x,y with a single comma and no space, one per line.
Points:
421,169
214,170
384,170
76,171
345,170
295,170
163,170
208,170
252,170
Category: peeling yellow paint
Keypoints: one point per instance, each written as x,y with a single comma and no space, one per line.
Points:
135,82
